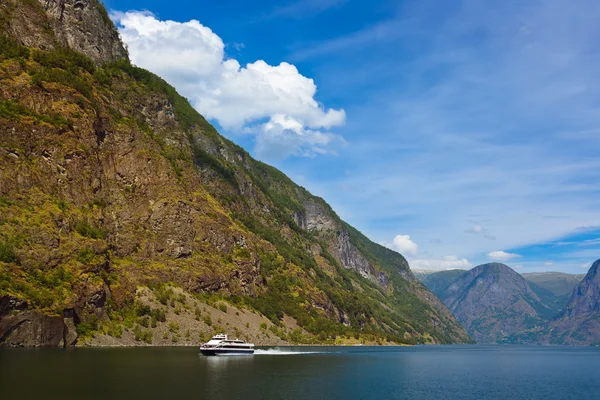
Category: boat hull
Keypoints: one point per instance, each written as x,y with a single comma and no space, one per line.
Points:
226,352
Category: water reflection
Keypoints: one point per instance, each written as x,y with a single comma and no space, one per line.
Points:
224,375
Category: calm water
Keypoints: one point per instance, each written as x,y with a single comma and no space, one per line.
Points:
445,372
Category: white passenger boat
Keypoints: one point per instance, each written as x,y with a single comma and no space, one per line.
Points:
220,345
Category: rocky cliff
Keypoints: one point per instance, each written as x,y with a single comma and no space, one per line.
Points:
112,185
579,322
82,25
493,303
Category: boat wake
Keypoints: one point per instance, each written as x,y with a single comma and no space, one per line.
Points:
277,352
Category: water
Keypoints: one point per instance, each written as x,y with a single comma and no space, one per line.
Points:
441,372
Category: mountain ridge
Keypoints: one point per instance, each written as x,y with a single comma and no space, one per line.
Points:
579,322
568,306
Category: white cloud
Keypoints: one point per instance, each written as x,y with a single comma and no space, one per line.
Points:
192,57
548,263
405,245
284,135
475,229
501,255
444,263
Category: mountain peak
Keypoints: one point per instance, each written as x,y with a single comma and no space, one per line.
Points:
81,25
490,301
498,267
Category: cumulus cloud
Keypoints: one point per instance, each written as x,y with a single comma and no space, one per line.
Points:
447,262
284,135
274,102
501,255
404,245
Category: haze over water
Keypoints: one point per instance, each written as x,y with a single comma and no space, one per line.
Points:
436,372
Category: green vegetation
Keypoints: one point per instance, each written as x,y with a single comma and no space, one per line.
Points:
65,78
64,58
173,327
187,116
142,335
87,230
14,111
86,329
86,255
7,252
43,289
9,48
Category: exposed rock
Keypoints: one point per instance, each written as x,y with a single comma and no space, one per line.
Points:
82,25
70,332
351,258
317,218
31,329
579,322
20,327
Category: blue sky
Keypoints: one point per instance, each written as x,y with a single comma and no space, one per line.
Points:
457,132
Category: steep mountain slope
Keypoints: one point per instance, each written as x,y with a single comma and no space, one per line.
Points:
439,281
579,322
493,302
111,182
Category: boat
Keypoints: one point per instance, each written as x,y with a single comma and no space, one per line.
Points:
220,345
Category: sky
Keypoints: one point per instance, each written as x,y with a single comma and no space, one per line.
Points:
457,133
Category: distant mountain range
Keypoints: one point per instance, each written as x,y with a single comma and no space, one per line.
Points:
497,305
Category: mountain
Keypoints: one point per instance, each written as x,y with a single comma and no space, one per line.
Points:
126,218
439,281
579,322
493,302
558,283
553,288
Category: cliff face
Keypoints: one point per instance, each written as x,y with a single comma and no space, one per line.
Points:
493,303
579,322
110,181
82,25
